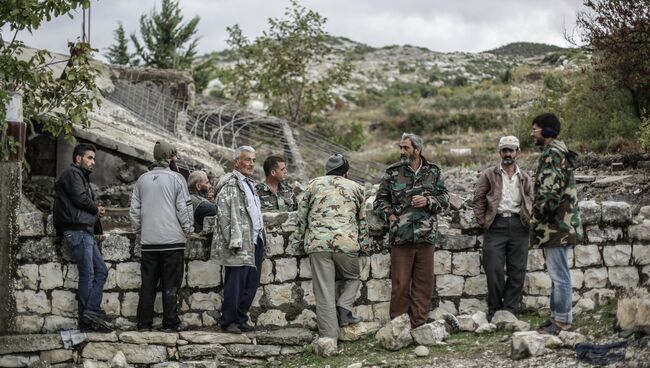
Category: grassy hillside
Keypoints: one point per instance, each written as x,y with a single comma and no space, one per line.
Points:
524,49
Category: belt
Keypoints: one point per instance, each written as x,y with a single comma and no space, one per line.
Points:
507,214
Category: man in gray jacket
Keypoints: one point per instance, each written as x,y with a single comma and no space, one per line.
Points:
502,206
161,212
238,241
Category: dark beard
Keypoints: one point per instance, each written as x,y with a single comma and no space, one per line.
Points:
172,166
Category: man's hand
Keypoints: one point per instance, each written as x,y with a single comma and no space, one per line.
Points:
101,210
418,201
392,218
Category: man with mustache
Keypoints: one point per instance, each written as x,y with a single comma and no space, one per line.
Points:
410,196
502,206
200,191
555,221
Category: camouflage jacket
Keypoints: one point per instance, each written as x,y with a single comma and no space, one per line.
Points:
398,185
232,241
556,218
283,200
331,217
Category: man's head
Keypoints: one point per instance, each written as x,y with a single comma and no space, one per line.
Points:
83,156
275,168
245,160
546,127
337,165
508,149
164,153
198,182
410,148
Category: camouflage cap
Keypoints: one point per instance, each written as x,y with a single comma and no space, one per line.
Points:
163,151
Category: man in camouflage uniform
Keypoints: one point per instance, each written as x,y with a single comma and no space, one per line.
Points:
238,241
200,189
276,194
410,195
555,223
332,230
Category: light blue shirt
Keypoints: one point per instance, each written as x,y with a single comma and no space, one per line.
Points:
254,205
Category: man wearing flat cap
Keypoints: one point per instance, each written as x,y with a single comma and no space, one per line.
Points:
410,196
161,212
332,231
502,206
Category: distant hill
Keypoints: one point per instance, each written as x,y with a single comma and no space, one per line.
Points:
524,49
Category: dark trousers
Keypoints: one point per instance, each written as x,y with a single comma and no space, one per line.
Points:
92,270
411,268
167,267
239,288
505,245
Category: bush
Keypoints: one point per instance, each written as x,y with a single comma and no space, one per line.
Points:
348,135
554,81
394,108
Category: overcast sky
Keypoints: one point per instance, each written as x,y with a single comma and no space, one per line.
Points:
462,25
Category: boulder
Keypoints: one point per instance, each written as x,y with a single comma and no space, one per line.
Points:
486,327
358,331
430,333
325,347
633,312
504,320
421,351
526,344
570,338
467,323
396,334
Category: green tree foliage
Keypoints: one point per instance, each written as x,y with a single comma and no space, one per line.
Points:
595,112
619,31
276,66
167,42
118,53
64,100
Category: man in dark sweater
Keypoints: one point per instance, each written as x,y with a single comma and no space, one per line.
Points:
200,189
76,218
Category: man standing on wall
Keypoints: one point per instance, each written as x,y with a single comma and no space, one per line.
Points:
238,241
410,196
200,189
555,223
161,212
502,206
77,218
332,230
275,193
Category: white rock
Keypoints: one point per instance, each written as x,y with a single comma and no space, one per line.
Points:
305,268
627,277
617,255
450,285
535,260
587,255
600,296
285,269
487,327
442,262
476,285
119,360
421,351
570,338
275,244
358,331
595,277
27,276
467,323
205,301
466,263
552,341
469,306
396,334
537,283
430,333
325,347
50,275
641,253
130,304
278,294
308,293
608,234
590,212
380,265
526,344
128,275
584,304
266,273
31,301
577,278
504,320
379,290
616,212
306,318
29,324
640,231
203,274
633,311
64,303
273,317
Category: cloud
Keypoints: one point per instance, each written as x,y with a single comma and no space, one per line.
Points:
470,25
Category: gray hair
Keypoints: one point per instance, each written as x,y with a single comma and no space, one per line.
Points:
195,178
241,149
416,141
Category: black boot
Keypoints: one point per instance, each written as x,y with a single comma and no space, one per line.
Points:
346,317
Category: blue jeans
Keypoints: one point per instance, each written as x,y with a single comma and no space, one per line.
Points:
92,270
561,290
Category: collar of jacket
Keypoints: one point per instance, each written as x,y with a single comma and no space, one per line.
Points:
85,172
424,166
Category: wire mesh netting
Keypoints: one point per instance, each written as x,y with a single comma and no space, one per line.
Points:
230,125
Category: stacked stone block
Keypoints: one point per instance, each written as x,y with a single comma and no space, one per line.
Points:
615,254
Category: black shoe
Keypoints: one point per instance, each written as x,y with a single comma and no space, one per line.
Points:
178,328
246,328
96,322
346,317
231,328
451,323
145,329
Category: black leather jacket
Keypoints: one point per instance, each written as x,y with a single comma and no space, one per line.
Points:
74,203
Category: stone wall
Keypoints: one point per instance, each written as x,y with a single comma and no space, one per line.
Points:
616,254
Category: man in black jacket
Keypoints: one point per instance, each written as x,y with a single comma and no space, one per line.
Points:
76,217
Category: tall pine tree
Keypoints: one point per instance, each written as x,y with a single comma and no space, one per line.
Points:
167,42
118,53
